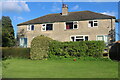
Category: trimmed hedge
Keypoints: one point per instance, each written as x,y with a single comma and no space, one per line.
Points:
44,47
9,52
40,47
76,49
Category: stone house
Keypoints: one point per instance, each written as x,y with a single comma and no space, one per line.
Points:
68,26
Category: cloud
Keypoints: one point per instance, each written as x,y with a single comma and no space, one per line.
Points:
109,13
75,7
18,18
55,8
16,6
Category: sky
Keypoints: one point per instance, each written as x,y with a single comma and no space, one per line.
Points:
21,11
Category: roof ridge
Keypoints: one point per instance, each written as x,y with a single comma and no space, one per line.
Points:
59,15
79,11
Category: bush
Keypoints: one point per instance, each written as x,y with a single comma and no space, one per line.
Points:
114,52
39,47
95,48
76,49
8,52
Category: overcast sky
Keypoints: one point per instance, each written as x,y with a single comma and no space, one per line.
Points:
21,11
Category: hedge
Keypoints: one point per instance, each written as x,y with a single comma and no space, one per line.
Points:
9,52
40,47
76,49
44,47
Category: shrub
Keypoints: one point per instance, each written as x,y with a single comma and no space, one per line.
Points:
95,48
114,52
39,47
76,49
9,52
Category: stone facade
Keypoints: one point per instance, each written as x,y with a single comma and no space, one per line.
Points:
60,32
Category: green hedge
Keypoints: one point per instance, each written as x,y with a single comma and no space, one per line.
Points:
9,52
76,49
39,47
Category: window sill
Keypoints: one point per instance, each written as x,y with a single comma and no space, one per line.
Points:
47,31
93,27
69,29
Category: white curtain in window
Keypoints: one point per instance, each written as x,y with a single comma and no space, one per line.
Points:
100,38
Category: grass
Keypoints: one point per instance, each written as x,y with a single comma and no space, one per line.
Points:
65,68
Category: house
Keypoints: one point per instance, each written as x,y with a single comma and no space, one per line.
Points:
118,33
68,26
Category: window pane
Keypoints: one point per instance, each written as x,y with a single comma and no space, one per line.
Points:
79,36
32,27
69,25
73,38
95,24
43,28
95,21
23,42
28,27
106,39
49,27
91,23
86,38
75,26
100,38
79,39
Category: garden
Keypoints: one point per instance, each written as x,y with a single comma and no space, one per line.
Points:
54,59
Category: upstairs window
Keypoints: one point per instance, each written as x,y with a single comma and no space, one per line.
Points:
47,27
79,38
71,25
93,23
30,27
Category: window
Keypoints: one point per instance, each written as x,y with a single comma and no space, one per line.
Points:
103,38
79,38
23,42
47,27
93,23
71,25
30,27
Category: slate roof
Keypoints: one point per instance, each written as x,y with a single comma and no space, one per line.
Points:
72,16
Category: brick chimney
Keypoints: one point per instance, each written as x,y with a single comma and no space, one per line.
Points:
64,9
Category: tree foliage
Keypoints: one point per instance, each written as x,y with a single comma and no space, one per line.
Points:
8,39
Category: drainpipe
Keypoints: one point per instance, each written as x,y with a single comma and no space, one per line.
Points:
112,31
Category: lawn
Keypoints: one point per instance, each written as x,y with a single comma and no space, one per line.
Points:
25,68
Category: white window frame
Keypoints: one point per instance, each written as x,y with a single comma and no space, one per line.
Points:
23,43
89,25
79,38
104,36
45,27
73,25
29,27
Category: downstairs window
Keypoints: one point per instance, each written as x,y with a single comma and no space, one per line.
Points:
79,38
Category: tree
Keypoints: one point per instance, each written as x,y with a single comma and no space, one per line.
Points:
8,39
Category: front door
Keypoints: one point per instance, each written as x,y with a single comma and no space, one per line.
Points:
23,42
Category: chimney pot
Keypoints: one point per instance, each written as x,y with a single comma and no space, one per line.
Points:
64,9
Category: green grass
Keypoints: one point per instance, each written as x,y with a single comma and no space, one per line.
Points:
24,68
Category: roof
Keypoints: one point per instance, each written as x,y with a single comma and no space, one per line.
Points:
72,16
118,20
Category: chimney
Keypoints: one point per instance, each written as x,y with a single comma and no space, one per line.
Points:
64,9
